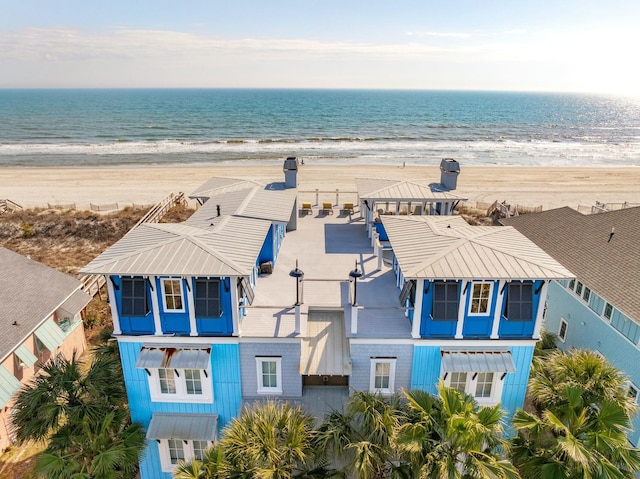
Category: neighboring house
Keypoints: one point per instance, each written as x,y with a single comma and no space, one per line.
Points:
40,316
600,309
251,298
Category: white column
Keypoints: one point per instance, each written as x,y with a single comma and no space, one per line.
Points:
193,328
541,300
497,314
235,306
155,306
417,309
461,308
114,307
297,321
354,320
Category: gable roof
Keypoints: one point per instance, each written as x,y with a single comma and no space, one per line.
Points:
29,293
581,243
229,247
446,247
220,183
402,190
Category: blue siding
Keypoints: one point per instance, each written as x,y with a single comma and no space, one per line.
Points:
435,329
425,372
172,322
227,393
267,253
479,325
133,324
588,330
222,326
521,329
515,384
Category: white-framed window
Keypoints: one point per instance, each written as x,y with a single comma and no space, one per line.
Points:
562,330
383,375
579,288
184,385
586,294
572,284
172,298
40,347
173,451
269,374
481,294
485,387
608,311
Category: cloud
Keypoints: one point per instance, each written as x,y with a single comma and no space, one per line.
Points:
440,34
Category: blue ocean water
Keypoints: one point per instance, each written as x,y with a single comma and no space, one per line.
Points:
209,126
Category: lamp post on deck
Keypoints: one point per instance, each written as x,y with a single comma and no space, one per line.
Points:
298,274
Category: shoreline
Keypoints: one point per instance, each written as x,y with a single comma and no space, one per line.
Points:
549,186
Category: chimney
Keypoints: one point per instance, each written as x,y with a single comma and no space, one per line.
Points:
290,169
449,171
218,209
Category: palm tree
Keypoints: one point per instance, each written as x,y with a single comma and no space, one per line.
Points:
450,436
213,465
579,429
271,440
361,439
80,411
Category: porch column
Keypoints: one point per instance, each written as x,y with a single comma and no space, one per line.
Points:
193,329
114,307
417,309
541,300
497,313
235,306
155,306
461,308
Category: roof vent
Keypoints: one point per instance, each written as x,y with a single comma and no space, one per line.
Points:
613,230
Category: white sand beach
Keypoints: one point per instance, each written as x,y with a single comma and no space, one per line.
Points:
550,187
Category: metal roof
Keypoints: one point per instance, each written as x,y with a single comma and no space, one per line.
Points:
188,427
154,357
325,350
50,334
26,356
218,183
446,247
9,385
608,266
228,248
402,190
29,293
457,360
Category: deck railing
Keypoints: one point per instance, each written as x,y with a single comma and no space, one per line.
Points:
8,205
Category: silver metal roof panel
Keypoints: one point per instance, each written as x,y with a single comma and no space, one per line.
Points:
187,427
477,361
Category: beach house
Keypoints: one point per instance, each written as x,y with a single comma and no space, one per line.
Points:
254,297
600,309
41,316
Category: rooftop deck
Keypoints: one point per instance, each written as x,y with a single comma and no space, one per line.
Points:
327,247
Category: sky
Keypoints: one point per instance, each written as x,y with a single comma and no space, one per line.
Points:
542,45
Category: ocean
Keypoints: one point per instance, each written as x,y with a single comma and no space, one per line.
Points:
116,127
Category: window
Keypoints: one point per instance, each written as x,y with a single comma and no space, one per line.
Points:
562,331
382,376
519,305
579,288
445,301
186,385
572,284
458,381
207,298
174,450
480,298
134,297
608,311
172,295
40,347
484,384
269,372
485,387
586,294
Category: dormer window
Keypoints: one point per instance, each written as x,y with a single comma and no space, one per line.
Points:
172,295
480,297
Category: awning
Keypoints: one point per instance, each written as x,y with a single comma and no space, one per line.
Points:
154,357
325,350
50,334
188,427
477,361
26,356
9,385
